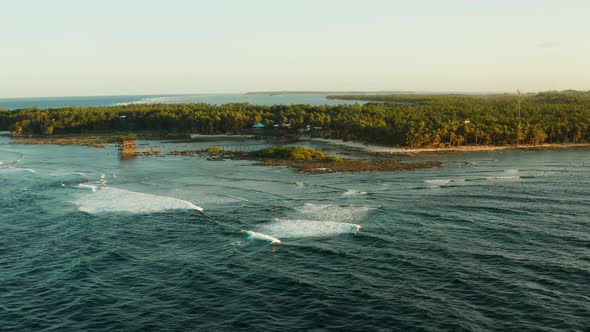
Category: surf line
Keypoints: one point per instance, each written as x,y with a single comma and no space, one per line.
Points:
129,201
264,237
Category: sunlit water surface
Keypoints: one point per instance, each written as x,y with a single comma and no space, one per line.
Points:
215,99
491,241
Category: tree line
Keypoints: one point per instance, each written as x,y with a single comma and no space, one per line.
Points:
402,120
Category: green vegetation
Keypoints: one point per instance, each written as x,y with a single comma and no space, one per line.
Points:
393,98
335,159
214,150
567,96
399,120
307,160
290,153
93,141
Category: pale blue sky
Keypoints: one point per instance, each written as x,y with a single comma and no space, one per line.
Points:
77,47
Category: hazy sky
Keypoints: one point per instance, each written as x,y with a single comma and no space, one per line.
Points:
79,47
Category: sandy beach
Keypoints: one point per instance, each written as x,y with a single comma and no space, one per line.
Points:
468,148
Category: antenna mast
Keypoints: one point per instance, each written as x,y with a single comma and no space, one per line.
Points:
518,130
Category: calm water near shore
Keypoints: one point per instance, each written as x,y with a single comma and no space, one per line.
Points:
491,241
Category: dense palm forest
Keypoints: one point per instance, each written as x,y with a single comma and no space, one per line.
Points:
410,120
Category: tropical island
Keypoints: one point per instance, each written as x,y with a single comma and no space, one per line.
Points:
416,121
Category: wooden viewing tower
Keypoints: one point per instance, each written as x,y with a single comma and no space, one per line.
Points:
127,148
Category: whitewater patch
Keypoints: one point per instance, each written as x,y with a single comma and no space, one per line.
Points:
312,221
262,237
437,183
330,212
88,186
509,175
287,228
10,169
504,178
107,199
353,193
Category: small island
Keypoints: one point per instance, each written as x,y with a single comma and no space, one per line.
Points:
307,160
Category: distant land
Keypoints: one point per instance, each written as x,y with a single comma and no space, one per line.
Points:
394,120
286,92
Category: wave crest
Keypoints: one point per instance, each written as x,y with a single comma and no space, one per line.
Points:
286,228
107,199
261,236
330,212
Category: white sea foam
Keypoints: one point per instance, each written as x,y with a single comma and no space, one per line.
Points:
106,199
511,171
261,236
103,180
10,169
313,220
211,199
438,182
512,177
286,228
330,212
353,193
89,186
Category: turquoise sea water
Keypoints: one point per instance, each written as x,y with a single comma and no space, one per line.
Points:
215,99
491,241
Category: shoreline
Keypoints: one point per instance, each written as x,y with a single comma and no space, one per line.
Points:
101,139
408,151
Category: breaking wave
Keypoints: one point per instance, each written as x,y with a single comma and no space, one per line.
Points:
437,183
505,178
106,199
262,237
286,228
353,193
330,212
88,186
312,220
10,169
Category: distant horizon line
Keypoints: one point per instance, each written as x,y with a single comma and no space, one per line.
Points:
282,92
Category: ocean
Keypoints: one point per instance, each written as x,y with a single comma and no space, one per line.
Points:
215,99
491,241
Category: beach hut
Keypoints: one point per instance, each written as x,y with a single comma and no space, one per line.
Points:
258,126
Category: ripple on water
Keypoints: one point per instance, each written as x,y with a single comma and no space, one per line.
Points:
482,255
